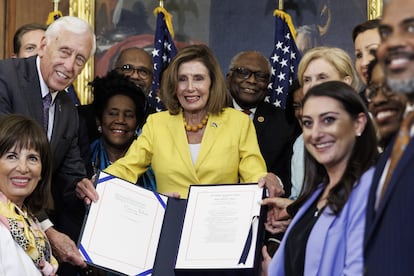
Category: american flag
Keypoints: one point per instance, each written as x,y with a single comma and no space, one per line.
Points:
164,51
284,60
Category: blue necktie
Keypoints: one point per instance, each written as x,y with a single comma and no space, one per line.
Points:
47,100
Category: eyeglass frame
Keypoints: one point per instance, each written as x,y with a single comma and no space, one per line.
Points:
142,72
385,90
240,75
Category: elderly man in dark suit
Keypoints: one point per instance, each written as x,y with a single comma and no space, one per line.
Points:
34,87
247,82
389,242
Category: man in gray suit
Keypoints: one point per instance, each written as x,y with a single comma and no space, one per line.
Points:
24,83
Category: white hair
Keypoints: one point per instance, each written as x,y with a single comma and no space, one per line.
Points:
72,24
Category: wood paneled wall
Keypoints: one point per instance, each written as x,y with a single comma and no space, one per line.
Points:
14,13
2,27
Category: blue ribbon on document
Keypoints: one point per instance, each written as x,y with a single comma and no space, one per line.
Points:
87,258
103,179
147,272
248,244
163,204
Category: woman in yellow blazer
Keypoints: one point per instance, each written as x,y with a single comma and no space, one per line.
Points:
198,140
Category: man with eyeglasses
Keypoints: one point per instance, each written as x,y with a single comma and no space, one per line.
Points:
247,82
137,64
386,106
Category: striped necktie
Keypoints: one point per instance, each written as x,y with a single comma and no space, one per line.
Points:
401,142
247,111
47,100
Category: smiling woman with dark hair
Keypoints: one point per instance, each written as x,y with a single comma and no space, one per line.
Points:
120,110
25,173
366,40
329,215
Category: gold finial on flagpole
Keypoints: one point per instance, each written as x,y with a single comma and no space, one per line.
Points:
161,4
280,6
55,14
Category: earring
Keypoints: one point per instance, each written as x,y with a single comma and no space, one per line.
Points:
358,134
100,129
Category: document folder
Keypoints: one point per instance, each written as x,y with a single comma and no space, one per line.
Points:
134,231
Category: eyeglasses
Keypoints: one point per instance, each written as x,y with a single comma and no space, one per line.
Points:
372,91
244,73
128,69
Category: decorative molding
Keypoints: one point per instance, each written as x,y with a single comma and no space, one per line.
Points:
84,9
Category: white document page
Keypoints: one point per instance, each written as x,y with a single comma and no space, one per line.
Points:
123,227
217,223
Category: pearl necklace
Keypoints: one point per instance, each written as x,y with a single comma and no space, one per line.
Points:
196,127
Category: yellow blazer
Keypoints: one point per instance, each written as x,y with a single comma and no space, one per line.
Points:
229,153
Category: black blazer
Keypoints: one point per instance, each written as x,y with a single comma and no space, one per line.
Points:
20,93
389,242
276,137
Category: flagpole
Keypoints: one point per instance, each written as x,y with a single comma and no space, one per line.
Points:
280,6
164,50
284,58
56,5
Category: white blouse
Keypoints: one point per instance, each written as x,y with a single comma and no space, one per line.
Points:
13,259
194,150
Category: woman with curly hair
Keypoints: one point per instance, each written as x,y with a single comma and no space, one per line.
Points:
120,110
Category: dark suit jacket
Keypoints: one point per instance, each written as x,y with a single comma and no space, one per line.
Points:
276,137
86,112
389,242
20,93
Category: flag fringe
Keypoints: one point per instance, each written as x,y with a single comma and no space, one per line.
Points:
286,17
167,18
54,15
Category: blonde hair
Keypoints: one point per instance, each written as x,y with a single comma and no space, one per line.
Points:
337,57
